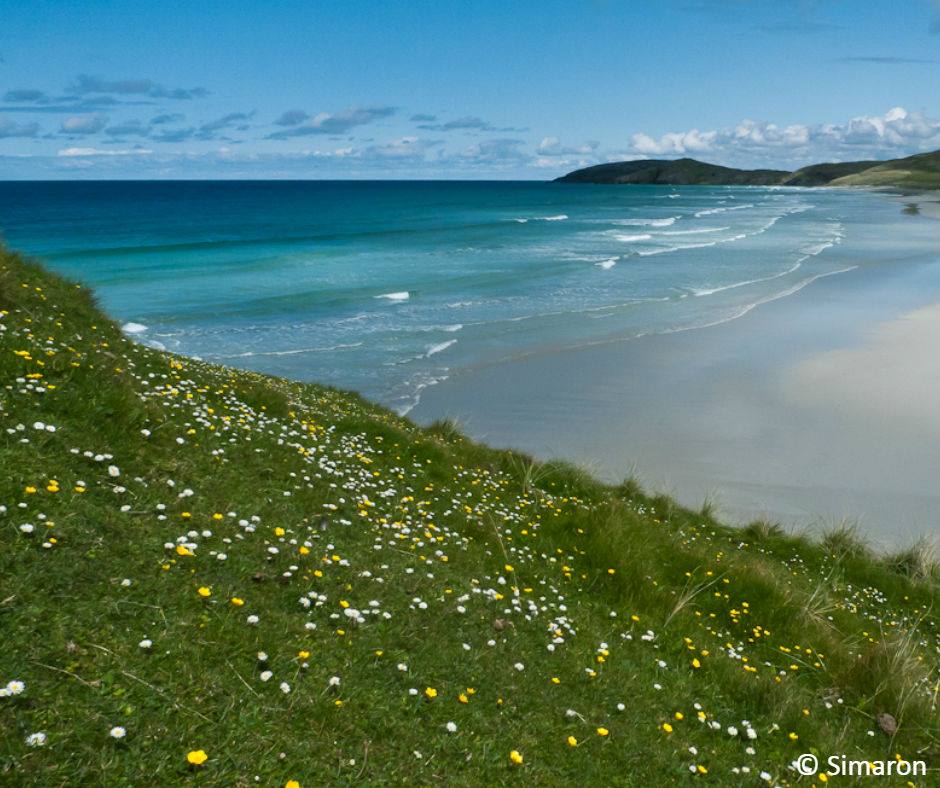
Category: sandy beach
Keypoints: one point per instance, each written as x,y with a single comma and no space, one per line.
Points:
809,409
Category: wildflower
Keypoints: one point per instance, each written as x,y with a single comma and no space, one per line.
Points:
252,620
572,741
451,727
334,681
196,757
114,471
667,727
285,687
292,784
602,731
117,732
792,736
36,739
237,601
265,675
516,757
27,528
431,693
15,687
204,591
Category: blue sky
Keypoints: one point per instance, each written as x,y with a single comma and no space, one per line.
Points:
458,89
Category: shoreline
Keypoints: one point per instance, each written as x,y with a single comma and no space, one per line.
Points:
724,412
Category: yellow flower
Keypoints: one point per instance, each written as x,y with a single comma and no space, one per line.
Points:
701,769
516,757
279,531
602,731
431,692
237,601
197,757
572,741
204,591
793,736
183,550
696,664
556,680
667,727
462,697
292,784
303,654
679,715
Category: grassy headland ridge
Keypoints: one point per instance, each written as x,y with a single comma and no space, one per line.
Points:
213,577
914,172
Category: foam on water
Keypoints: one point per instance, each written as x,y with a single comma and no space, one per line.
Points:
440,347
647,222
403,295
710,211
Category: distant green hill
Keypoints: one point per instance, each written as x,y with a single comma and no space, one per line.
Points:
916,172
821,174
672,171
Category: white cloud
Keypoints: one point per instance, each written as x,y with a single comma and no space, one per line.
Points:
328,123
9,128
551,146
84,124
896,133
75,152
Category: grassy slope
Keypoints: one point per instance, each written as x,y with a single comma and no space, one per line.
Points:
915,172
822,174
525,590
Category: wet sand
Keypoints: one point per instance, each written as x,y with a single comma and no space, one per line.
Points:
811,408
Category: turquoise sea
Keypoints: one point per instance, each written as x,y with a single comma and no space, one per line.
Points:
389,287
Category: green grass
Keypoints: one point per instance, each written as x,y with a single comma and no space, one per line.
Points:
527,590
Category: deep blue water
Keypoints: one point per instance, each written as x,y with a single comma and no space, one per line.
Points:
387,287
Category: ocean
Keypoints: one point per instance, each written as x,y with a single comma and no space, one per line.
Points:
390,287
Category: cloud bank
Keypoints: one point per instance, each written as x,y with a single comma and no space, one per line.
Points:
896,133
299,124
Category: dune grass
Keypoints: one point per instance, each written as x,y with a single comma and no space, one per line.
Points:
212,577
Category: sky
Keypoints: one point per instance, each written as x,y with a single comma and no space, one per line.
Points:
482,89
